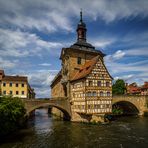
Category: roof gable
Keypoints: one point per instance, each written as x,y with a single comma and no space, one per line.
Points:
85,69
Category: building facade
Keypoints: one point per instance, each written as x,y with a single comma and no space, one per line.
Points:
84,79
134,89
16,86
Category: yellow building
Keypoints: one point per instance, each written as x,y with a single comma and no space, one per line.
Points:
17,86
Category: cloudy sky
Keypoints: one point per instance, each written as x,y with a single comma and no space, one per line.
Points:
32,33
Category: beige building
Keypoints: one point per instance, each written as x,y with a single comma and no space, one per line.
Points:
17,86
84,79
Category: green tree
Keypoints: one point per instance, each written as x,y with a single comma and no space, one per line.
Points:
12,112
119,87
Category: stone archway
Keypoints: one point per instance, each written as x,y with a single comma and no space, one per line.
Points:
127,107
46,105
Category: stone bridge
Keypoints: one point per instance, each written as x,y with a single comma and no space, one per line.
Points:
60,103
132,103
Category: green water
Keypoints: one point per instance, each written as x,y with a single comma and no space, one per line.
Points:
44,132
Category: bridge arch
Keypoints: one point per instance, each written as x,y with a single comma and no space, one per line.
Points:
66,114
128,108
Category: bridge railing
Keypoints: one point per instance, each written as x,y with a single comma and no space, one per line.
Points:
41,99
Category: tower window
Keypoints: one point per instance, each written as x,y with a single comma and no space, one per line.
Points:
16,84
79,60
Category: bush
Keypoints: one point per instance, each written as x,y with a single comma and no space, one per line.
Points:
12,112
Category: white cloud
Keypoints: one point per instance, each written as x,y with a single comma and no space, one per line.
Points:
52,15
15,43
45,64
102,43
4,64
41,80
119,54
116,56
137,52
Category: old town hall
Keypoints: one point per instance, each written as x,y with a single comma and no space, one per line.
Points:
83,79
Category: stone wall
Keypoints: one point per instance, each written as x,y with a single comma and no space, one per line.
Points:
57,90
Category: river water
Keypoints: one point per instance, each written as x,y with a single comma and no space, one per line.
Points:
45,132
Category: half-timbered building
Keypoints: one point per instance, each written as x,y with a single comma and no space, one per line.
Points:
84,79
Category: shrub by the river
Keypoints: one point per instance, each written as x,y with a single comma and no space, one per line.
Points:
12,113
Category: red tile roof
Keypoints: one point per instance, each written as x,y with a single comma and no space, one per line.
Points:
15,78
145,86
85,69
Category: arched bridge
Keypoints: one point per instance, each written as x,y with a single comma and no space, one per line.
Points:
131,103
60,103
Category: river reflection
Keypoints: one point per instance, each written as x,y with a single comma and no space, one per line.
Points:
45,132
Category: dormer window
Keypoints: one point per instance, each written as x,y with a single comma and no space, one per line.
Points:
87,68
79,60
80,70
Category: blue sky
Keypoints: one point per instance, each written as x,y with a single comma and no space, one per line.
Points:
33,32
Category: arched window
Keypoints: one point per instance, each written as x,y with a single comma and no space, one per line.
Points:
88,94
101,93
94,93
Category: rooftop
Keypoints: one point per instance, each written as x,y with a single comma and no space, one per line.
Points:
85,69
15,78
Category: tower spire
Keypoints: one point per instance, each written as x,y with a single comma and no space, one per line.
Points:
81,29
81,16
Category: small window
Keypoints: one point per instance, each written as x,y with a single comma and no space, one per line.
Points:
107,84
22,84
16,84
10,92
90,83
87,67
4,84
94,94
22,92
108,93
79,60
4,92
101,93
99,83
17,92
89,106
10,84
